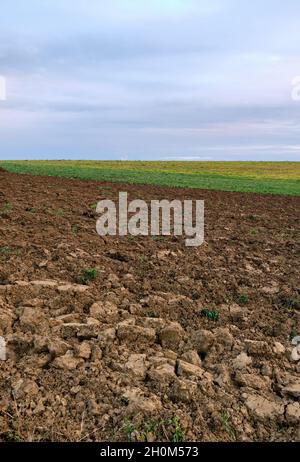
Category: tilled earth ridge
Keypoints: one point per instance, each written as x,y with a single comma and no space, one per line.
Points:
129,355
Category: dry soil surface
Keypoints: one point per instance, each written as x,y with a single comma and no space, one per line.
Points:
130,355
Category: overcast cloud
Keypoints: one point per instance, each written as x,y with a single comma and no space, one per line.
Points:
150,79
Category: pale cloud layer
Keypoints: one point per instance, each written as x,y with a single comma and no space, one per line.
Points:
150,79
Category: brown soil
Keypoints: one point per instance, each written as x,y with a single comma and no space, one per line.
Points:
129,355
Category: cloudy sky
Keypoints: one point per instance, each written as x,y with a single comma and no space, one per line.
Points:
150,79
